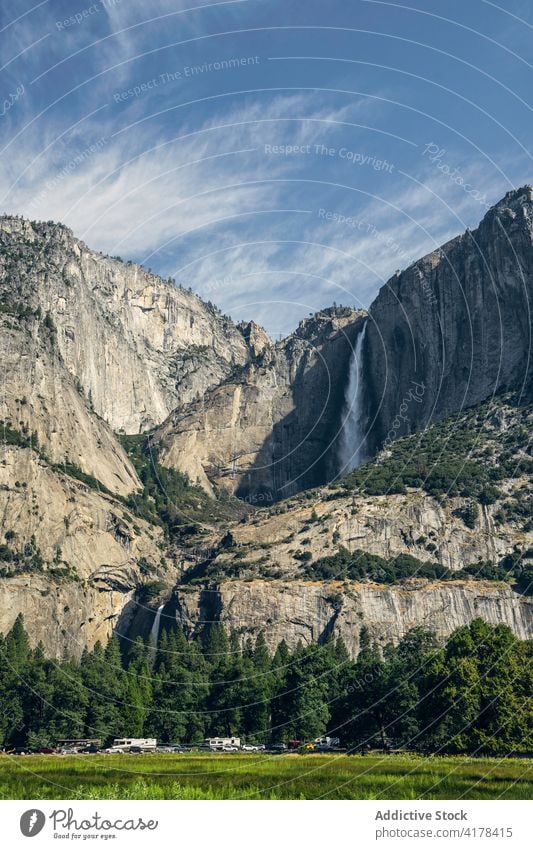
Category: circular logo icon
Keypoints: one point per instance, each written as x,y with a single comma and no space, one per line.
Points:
32,822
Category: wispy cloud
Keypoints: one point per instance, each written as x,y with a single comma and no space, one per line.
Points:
267,198
246,229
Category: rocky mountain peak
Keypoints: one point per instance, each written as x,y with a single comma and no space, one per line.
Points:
325,321
515,199
255,337
457,322
133,343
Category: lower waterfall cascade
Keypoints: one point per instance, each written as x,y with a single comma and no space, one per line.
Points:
154,633
352,438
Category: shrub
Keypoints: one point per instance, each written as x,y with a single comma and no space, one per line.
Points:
468,513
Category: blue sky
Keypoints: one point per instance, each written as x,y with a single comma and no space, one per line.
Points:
274,156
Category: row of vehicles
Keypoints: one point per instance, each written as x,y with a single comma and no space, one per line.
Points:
233,744
92,746
321,744
143,745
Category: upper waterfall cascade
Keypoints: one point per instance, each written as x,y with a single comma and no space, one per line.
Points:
351,448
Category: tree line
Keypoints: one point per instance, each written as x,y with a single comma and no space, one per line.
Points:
472,695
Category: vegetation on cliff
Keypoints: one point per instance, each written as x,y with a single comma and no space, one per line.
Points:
362,566
468,454
169,499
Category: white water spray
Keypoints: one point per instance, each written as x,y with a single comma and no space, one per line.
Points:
351,443
154,633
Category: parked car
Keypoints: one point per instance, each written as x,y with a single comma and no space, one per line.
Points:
276,747
247,747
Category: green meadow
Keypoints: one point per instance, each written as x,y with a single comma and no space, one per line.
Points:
260,776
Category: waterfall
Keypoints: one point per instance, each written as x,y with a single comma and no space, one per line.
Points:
154,633
351,449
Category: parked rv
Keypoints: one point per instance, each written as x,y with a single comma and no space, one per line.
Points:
138,744
223,744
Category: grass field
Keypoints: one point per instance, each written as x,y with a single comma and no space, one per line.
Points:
251,776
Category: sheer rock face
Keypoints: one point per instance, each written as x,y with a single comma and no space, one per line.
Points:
446,333
272,430
91,549
64,617
312,611
135,344
457,322
38,396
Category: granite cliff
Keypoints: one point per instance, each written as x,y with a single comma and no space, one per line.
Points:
134,344
447,333
310,612
271,429
89,345
98,529
73,560
289,569
457,322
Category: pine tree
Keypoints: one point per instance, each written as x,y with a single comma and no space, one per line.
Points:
257,691
303,711
473,695
138,688
69,698
179,690
11,712
17,645
362,724
103,678
36,694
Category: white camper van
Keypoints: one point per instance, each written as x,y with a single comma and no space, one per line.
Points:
223,744
127,744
